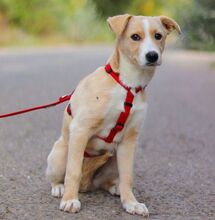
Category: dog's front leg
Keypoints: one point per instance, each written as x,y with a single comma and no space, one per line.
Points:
79,136
125,158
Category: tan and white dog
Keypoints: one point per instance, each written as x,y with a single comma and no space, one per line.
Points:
96,104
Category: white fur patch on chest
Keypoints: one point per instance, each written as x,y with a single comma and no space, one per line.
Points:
138,112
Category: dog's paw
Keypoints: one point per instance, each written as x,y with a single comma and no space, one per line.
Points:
114,190
57,190
71,206
136,208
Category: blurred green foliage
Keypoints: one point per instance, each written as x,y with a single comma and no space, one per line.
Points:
106,8
33,16
54,21
198,23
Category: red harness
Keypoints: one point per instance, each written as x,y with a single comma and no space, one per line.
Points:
123,116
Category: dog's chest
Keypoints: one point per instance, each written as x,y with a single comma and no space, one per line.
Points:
117,105
113,110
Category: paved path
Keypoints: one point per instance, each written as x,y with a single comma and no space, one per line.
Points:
175,165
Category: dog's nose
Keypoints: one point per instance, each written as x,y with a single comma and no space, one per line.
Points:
152,56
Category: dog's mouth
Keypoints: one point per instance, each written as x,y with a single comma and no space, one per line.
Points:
153,64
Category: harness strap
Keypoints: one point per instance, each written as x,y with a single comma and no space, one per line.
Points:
128,103
115,75
68,109
87,155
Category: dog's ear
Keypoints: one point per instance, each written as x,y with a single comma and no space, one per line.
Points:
170,24
118,23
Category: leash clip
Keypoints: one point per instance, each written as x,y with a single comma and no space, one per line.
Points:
64,98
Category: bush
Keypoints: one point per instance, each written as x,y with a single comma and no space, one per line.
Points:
32,16
198,20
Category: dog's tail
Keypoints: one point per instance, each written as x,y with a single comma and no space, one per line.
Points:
90,166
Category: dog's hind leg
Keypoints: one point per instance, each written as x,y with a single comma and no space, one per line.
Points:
108,177
57,160
57,166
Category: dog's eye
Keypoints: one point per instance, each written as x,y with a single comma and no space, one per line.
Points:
158,36
135,37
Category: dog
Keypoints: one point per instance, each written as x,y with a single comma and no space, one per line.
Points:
104,116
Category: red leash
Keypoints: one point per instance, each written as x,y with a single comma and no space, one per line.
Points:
59,101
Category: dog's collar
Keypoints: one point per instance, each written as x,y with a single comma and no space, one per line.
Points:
115,75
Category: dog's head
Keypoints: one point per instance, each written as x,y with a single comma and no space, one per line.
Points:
142,39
